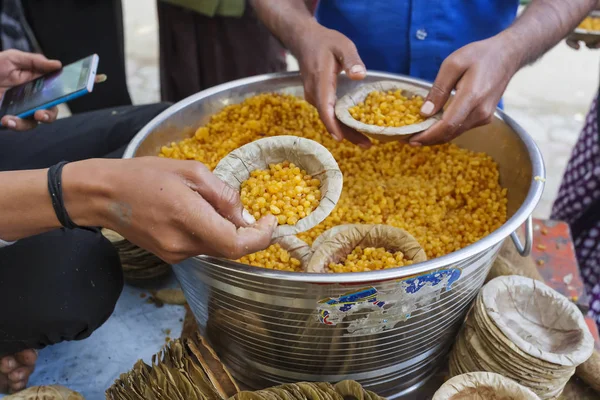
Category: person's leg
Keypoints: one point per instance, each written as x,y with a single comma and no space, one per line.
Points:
69,30
198,52
57,286
90,135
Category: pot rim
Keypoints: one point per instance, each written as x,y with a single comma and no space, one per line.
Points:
447,261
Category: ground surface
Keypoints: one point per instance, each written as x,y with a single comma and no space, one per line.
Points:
550,100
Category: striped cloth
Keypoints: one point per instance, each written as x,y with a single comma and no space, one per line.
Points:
15,32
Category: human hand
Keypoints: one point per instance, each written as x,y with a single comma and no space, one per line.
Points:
479,72
323,54
174,209
18,67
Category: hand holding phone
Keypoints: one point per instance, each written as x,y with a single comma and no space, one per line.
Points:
16,68
38,85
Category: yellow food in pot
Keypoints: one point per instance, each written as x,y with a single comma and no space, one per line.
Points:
284,190
445,196
370,259
273,257
590,24
389,108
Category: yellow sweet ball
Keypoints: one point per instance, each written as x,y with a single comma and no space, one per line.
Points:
389,108
284,190
369,259
445,196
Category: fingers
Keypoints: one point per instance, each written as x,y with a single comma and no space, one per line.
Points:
217,236
18,124
574,44
347,56
33,62
324,85
452,124
450,72
100,78
222,197
46,116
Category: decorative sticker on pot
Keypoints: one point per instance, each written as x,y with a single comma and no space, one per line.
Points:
330,308
381,310
445,276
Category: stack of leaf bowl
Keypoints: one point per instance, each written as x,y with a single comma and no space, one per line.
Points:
189,369
525,331
138,264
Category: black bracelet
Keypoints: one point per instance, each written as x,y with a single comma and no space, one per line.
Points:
56,195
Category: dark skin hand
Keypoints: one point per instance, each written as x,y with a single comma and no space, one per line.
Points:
479,72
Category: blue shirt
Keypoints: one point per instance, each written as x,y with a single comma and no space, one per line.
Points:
413,37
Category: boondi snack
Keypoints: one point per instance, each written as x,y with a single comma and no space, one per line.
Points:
370,259
362,248
274,257
389,108
445,196
590,24
385,110
284,190
304,195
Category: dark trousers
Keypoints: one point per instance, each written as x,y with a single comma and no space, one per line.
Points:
69,30
62,285
198,52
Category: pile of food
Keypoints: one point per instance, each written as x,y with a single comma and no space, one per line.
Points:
370,259
445,196
274,257
590,24
389,108
284,191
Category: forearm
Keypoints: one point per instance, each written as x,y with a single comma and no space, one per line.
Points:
286,19
25,204
542,25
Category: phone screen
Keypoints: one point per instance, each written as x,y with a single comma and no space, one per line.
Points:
45,89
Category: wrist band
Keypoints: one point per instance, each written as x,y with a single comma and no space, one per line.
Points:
56,195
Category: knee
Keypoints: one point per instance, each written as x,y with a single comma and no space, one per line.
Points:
63,286
95,282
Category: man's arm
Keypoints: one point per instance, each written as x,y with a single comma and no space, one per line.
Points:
322,54
543,24
285,19
480,71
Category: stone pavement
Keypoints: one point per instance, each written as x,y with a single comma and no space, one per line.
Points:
550,98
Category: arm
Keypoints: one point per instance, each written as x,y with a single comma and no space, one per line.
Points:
480,71
322,54
175,209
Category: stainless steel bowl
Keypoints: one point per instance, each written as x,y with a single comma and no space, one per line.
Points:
393,328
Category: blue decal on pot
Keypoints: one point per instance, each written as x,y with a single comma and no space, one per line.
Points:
347,302
415,283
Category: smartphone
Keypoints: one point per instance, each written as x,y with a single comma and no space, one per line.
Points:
68,83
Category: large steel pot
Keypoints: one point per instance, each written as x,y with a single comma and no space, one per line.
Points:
272,327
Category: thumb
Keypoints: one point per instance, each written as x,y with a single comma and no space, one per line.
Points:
258,236
449,74
222,197
347,56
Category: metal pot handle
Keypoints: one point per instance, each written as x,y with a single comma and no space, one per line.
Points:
524,250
